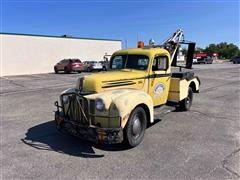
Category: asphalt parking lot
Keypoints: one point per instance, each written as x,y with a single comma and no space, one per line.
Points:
199,144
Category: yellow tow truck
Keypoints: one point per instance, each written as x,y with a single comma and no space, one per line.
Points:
116,106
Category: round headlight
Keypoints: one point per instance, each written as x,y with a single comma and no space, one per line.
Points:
65,99
99,105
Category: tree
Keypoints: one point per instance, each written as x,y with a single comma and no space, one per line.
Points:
224,49
199,50
184,51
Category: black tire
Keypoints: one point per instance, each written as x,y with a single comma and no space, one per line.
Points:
55,70
135,128
88,69
186,103
104,69
79,71
66,70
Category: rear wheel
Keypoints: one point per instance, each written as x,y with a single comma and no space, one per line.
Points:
186,103
135,128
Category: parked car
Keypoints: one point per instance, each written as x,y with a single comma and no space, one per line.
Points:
236,60
195,61
69,65
89,66
205,60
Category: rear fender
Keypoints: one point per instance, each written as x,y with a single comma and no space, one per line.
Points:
195,84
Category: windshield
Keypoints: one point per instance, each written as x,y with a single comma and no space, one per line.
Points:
139,62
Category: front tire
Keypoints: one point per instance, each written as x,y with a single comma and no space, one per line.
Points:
135,128
186,103
55,70
88,69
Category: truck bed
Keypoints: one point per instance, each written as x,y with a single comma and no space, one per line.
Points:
180,82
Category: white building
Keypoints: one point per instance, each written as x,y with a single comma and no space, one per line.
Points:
32,54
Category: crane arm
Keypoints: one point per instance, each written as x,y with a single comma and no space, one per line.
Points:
173,43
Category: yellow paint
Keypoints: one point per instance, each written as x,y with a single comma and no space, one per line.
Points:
138,89
179,88
121,103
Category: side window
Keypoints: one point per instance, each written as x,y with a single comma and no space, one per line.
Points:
160,63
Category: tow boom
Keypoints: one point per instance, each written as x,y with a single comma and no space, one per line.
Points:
173,43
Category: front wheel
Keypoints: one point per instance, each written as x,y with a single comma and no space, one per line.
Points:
186,103
55,70
88,69
135,128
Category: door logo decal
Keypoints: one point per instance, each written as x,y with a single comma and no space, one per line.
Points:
159,88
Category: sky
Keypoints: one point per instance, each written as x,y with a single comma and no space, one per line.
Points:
203,21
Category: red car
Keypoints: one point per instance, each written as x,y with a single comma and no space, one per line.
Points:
69,65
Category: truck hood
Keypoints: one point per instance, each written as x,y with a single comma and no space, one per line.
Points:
113,80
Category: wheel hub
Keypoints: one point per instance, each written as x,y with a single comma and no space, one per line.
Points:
136,129
188,100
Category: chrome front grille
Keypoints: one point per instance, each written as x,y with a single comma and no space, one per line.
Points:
77,109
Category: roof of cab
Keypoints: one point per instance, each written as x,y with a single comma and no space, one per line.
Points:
143,51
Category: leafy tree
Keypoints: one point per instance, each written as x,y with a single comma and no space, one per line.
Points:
184,51
224,49
199,50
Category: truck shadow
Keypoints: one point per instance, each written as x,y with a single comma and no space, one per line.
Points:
46,137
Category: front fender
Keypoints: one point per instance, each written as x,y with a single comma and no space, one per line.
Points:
126,102
121,102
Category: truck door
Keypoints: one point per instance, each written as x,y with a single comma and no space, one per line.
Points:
159,79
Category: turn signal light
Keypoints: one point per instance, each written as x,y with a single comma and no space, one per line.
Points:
140,44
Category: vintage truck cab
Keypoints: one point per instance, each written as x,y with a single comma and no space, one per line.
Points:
116,106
